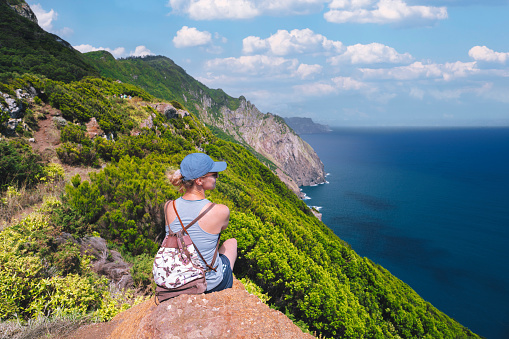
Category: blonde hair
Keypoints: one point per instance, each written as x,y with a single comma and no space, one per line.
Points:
177,180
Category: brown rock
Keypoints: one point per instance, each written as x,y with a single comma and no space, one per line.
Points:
93,128
232,313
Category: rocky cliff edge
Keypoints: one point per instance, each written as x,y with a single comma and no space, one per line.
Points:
232,313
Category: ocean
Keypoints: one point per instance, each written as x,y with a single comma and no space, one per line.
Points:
431,205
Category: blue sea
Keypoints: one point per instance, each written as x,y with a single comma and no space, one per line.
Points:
431,206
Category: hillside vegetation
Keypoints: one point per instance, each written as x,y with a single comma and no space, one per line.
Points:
294,259
161,77
306,270
25,47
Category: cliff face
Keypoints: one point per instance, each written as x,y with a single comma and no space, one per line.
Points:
270,136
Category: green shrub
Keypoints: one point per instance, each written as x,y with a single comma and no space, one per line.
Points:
141,271
124,202
53,172
76,134
18,164
38,277
70,221
77,154
176,104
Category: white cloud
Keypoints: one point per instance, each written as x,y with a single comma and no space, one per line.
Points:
334,86
65,32
418,70
306,71
483,53
44,18
243,9
315,89
191,37
417,93
296,41
117,52
347,84
370,54
254,65
215,9
382,12
457,93
253,44
221,38
141,51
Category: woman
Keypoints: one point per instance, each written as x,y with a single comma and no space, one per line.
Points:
197,174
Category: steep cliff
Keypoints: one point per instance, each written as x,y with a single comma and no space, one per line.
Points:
268,134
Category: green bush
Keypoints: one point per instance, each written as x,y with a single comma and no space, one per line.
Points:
76,134
29,286
18,164
39,277
141,271
77,154
124,202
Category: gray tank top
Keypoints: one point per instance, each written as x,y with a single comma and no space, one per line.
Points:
205,242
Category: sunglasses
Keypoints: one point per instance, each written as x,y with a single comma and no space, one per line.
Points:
215,175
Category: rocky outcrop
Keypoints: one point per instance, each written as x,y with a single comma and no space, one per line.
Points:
107,262
13,110
271,137
169,111
22,8
232,313
93,128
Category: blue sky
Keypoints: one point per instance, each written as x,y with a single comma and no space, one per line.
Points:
339,62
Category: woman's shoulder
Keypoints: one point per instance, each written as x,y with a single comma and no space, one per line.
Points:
221,209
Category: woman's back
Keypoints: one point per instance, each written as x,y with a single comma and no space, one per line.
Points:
206,242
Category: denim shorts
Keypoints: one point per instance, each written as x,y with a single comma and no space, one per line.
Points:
227,281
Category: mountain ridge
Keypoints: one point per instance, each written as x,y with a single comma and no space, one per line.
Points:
235,118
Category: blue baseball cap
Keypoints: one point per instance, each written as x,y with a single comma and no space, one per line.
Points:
196,165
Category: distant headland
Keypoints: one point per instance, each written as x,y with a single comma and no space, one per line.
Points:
306,126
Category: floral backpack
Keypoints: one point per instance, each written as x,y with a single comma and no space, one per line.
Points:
177,267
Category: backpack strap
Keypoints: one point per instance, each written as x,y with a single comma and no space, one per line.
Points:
184,229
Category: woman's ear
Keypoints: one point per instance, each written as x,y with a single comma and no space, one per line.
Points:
198,181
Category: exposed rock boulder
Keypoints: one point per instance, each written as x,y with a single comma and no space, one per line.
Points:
93,129
232,313
169,111
107,262
13,107
60,122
